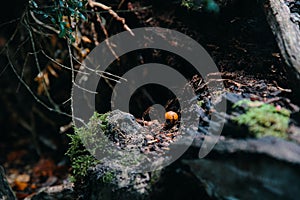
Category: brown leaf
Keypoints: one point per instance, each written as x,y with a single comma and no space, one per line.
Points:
55,65
84,52
23,178
86,39
44,167
52,71
46,78
15,155
20,185
53,40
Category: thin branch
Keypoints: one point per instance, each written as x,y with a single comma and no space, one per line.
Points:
13,35
100,72
120,4
61,65
73,81
10,22
282,89
43,24
221,80
25,85
111,12
107,38
39,69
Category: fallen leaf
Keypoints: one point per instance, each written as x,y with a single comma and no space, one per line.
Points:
86,39
20,185
15,155
52,71
23,178
44,167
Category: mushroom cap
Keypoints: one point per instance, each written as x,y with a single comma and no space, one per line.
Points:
171,115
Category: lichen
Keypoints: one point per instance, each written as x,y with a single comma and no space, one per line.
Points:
263,119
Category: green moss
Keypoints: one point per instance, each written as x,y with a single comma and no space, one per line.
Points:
200,103
155,177
263,119
188,3
81,158
108,177
208,5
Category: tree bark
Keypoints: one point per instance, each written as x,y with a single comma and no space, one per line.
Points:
286,32
5,190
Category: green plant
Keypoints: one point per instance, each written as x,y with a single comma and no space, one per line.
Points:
263,119
208,5
63,14
108,177
81,158
99,143
188,3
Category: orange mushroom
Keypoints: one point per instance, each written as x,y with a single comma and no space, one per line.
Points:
171,118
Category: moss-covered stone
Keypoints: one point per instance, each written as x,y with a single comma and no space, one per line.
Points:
81,158
263,119
118,138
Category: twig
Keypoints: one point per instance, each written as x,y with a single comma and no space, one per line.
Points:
66,127
61,65
107,39
281,89
56,107
221,80
113,13
120,4
15,53
9,22
32,94
12,36
43,24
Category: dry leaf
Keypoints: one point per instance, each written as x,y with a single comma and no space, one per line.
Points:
21,182
52,71
23,178
84,52
20,185
56,66
46,78
53,40
86,39
66,19
44,167
277,55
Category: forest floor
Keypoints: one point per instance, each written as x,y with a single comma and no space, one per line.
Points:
238,39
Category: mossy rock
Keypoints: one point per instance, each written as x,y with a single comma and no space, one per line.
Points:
263,119
105,178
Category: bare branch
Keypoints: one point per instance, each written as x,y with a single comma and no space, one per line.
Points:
113,13
43,24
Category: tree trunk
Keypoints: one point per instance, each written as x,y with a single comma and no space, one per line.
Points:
286,32
5,190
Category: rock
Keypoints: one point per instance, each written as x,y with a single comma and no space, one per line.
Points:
117,176
131,131
104,182
236,168
6,192
246,176
273,147
63,192
127,172
294,133
249,168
